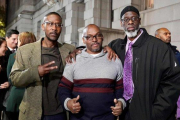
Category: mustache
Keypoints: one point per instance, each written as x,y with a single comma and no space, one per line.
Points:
95,43
53,33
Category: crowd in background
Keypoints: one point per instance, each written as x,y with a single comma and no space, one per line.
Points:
11,96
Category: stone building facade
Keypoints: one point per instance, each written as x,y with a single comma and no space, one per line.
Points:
27,15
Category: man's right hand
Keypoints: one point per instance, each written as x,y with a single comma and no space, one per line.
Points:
72,56
73,105
44,69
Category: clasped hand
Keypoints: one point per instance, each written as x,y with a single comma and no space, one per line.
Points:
4,85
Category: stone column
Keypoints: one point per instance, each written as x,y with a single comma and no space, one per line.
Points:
24,23
98,12
74,20
63,15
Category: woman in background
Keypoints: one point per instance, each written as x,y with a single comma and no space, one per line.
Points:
3,77
16,94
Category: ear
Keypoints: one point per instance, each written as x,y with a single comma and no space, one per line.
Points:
139,21
121,23
7,38
84,41
158,36
43,27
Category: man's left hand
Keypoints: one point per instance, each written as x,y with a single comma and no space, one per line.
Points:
117,109
111,53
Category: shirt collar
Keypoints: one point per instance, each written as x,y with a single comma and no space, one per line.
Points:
128,41
11,49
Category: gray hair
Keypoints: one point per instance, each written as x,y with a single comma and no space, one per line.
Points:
51,13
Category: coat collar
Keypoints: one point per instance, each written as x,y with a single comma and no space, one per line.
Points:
139,41
63,52
37,51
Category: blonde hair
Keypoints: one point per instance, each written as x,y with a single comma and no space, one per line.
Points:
26,37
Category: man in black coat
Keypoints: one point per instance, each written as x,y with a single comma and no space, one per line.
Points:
165,35
155,71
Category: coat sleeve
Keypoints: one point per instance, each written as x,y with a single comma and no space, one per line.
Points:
21,75
112,45
119,80
9,65
119,83
168,90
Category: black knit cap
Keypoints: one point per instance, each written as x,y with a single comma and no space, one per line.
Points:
129,8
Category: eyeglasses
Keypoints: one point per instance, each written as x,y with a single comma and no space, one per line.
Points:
91,37
133,19
50,24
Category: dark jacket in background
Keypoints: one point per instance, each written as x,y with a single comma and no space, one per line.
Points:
3,75
3,78
176,52
16,94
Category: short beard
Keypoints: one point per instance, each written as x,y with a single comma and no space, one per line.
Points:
97,50
132,34
51,39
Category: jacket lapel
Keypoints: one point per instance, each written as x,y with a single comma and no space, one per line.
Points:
63,52
36,53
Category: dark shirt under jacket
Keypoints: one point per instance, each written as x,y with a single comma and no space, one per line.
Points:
51,104
155,77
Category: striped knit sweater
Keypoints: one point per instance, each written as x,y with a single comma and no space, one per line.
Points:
97,80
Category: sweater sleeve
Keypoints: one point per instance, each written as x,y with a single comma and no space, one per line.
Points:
66,84
119,79
119,83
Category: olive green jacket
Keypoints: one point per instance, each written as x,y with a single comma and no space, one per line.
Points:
25,74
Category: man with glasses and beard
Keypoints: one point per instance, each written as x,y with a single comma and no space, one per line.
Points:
38,68
151,74
91,88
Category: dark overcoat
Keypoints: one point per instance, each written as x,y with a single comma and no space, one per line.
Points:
156,78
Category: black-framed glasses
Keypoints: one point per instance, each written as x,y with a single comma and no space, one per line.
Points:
133,19
91,37
51,24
